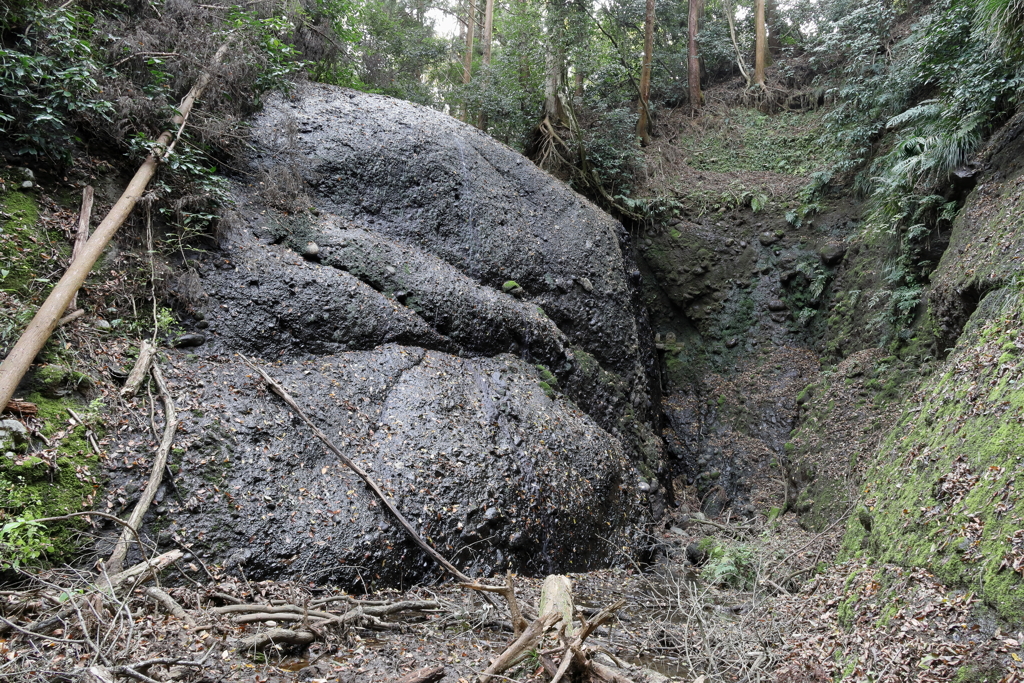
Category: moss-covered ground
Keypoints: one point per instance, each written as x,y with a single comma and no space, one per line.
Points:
942,492
50,482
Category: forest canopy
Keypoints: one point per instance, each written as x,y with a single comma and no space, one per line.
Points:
910,89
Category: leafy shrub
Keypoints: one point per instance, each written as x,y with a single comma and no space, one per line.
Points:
49,80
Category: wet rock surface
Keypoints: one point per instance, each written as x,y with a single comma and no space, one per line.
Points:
512,425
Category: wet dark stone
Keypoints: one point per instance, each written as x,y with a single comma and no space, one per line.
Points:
399,343
190,340
832,254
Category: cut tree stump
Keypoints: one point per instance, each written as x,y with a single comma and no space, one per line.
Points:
556,596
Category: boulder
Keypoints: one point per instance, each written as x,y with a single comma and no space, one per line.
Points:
507,429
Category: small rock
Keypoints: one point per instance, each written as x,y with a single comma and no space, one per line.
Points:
767,239
731,343
695,555
644,486
202,324
776,305
832,254
27,185
312,250
102,325
391,270
586,284
13,431
190,340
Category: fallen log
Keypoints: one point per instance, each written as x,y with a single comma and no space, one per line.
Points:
23,408
276,636
45,320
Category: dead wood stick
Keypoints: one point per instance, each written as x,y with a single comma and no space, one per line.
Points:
424,675
508,592
269,609
45,321
139,371
525,641
84,216
73,315
574,653
23,408
156,473
286,397
607,674
111,584
276,636
170,604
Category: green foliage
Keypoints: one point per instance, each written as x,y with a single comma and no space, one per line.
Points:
728,565
23,541
49,80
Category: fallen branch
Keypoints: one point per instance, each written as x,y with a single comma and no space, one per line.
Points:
525,641
31,342
425,675
276,636
84,216
139,371
171,605
156,473
23,408
508,592
74,315
286,397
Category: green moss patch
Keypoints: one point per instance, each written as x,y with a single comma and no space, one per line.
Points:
943,492
58,480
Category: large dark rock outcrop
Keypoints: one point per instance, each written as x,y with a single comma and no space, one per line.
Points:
368,262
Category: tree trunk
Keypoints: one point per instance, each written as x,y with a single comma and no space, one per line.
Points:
45,321
554,111
730,15
467,62
759,45
771,24
692,61
488,33
643,125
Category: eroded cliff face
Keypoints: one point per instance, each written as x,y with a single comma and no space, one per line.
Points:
465,326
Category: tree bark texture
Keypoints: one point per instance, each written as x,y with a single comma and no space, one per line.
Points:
759,44
692,60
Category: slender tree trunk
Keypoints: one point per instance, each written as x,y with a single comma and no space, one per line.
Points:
692,61
771,24
488,33
554,110
643,125
759,44
729,14
467,62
